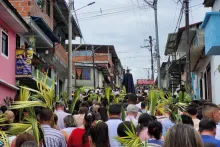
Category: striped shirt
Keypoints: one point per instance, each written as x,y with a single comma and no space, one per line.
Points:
53,138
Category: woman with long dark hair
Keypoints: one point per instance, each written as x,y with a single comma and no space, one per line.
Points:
98,135
79,136
103,113
142,130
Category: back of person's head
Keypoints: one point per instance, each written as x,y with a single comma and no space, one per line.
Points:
69,121
199,113
21,138
182,135
141,98
46,114
60,105
207,124
115,109
3,108
99,134
29,144
122,128
210,110
84,104
10,116
103,113
88,121
192,110
187,120
132,98
83,110
155,129
209,145
143,105
144,119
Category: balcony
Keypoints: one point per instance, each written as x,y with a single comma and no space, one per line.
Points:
61,55
37,74
27,8
212,33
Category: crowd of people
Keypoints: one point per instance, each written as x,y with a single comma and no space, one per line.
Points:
96,124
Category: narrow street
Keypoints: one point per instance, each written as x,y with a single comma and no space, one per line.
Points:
128,73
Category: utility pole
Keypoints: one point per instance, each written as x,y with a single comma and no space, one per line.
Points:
70,70
93,66
151,52
154,6
152,60
188,67
148,72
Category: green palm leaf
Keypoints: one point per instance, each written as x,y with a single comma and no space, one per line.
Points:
108,93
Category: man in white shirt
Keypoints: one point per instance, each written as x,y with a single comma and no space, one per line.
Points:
132,112
60,114
192,111
211,111
113,122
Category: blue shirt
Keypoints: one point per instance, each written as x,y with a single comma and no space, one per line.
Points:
166,123
155,142
210,139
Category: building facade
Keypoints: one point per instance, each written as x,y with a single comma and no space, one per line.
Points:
11,26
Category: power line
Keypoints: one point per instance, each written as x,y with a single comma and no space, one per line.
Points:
108,14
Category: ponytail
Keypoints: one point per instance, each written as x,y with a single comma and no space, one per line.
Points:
89,119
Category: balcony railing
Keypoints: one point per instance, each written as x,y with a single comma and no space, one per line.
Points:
37,74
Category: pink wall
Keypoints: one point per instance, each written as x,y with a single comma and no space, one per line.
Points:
7,65
5,91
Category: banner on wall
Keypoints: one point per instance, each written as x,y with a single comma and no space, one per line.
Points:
24,62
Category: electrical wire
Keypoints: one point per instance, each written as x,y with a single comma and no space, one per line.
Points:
108,14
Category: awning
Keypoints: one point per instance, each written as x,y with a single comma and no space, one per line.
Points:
45,28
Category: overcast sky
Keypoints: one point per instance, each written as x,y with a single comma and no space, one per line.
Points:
126,23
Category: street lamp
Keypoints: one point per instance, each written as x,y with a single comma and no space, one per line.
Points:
70,51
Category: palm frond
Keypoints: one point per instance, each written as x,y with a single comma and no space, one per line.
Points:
17,128
76,98
108,93
131,140
27,104
153,97
122,113
4,139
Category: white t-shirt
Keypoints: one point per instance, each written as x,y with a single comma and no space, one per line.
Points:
133,119
112,131
217,136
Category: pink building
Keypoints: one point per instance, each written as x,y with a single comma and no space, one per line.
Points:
11,24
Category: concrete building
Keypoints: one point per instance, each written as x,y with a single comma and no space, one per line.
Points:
49,30
107,66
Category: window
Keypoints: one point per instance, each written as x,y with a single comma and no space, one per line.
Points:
4,44
18,41
83,73
48,7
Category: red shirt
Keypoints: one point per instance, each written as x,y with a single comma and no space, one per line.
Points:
75,139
